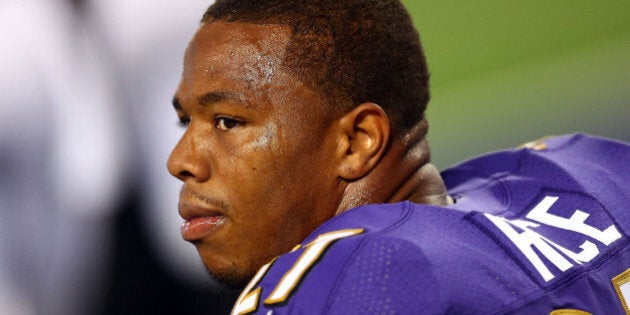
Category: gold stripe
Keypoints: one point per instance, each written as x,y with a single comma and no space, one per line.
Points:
247,292
298,246
316,247
568,311
255,293
536,145
617,282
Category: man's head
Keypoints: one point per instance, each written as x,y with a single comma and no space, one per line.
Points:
351,52
290,106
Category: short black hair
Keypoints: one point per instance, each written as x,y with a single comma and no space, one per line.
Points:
350,51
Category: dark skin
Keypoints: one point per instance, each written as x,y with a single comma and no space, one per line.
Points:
264,163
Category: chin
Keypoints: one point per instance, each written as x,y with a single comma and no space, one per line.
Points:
228,274
230,280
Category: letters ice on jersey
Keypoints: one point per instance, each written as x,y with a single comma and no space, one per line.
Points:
541,232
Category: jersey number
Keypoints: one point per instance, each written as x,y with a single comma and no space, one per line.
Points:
248,301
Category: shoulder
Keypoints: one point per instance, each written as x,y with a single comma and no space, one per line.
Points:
304,278
577,163
375,259
349,259
573,154
557,209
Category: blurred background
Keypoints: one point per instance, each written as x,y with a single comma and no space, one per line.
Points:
88,212
507,72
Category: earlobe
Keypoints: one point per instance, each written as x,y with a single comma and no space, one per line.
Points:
363,139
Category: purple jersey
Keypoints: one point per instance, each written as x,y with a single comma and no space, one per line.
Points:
533,230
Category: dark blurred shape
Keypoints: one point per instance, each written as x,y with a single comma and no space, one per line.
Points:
140,285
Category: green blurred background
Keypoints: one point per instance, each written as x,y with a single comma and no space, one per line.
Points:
506,72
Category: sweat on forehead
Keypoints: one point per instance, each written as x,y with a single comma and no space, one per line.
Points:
254,49
242,53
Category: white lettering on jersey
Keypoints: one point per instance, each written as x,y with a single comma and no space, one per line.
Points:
530,243
575,223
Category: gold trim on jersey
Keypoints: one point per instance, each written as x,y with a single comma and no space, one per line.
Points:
536,145
568,311
248,300
619,281
311,254
298,246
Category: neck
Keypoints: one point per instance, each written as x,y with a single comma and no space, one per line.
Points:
404,173
425,186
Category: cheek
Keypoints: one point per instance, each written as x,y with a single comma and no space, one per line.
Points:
243,153
262,141
265,153
255,167
273,166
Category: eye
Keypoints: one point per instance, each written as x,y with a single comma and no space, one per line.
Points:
225,123
184,121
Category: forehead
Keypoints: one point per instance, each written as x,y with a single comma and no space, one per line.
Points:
248,53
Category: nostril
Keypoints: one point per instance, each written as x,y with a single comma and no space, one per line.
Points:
185,174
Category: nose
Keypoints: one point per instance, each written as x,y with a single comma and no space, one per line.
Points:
187,161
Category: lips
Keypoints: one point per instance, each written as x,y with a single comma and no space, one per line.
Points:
201,227
200,218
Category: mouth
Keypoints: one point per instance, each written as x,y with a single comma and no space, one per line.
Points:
199,221
198,228
201,217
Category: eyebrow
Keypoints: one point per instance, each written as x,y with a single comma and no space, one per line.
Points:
220,96
211,98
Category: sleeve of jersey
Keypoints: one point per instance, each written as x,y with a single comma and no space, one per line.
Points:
387,276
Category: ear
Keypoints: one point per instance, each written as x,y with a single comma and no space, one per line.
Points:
363,138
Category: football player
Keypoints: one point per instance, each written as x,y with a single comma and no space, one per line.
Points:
307,179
